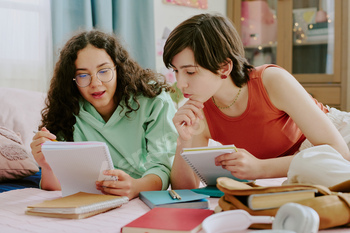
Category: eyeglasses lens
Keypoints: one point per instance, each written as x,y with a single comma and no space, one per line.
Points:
104,75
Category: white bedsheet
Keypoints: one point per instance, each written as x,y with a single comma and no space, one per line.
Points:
13,219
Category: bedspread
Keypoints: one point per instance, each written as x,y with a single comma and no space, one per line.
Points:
13,219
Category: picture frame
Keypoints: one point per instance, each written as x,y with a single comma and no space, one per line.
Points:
200,4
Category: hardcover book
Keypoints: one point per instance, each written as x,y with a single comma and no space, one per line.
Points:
172,220
263,201
189,199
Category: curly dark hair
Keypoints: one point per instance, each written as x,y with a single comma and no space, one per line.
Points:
213,39
62,102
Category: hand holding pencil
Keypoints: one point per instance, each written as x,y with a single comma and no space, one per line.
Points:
39,138
47,134
48,178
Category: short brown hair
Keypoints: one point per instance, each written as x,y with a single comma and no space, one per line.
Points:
213,39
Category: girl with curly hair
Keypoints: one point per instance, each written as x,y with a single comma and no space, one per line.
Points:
98,93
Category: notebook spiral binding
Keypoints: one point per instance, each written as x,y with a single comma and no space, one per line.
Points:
103,205
195,170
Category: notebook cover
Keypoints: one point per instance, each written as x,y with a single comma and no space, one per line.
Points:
168,220
159,198
69,216
79,203
202,161
78,165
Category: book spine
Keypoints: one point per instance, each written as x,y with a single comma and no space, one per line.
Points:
317,38
195,170
317,25
321,31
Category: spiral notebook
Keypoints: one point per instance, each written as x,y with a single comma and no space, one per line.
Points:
202,161
77,206
78,165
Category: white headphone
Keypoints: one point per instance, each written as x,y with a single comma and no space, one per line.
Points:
290,218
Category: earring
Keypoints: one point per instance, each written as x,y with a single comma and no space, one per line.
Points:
223,76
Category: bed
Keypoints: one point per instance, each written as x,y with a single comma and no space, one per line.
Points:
13,219
20,112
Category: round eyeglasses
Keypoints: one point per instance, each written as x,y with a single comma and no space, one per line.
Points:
104,75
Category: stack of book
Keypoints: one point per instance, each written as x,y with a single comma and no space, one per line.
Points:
317,32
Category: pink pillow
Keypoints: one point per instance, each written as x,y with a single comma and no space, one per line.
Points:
20,111
15,161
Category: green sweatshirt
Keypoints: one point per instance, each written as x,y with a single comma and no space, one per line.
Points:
142,144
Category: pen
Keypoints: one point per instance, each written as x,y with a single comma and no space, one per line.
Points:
34,131
174,195
177,195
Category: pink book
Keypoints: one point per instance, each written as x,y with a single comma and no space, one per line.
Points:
168,220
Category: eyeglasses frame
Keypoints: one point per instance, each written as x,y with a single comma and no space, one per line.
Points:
114,67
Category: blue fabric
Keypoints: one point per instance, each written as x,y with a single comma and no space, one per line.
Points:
132,21
27,182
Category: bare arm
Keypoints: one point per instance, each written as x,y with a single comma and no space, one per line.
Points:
288,95
244,165
182,176
191,126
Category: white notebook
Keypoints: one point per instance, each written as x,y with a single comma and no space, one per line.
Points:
202,161
78,165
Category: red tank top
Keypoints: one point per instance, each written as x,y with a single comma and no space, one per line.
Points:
263,130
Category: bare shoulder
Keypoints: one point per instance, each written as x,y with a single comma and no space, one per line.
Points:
282,88
276,74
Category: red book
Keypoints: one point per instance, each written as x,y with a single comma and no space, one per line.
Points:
168,220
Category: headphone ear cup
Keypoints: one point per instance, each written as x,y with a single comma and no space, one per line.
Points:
296,217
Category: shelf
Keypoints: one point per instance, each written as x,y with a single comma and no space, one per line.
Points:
321,42
318,62
262,46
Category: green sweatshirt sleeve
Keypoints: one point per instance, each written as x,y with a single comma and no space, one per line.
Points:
161,136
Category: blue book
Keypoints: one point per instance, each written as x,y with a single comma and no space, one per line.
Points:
189,199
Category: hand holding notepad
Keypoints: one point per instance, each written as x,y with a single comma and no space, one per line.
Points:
202,161
78,165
